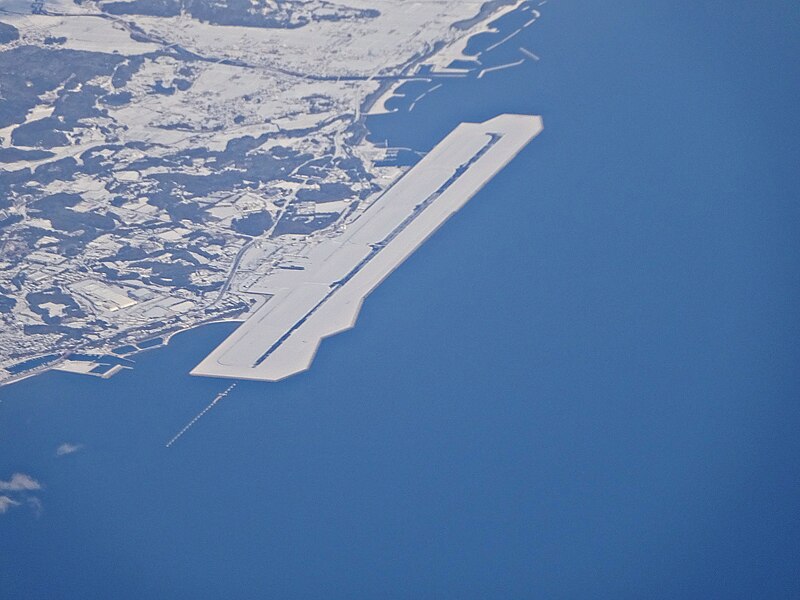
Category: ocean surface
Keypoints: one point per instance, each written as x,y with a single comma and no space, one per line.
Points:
585,385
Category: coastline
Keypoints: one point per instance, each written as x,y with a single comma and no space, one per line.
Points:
445,53
443,50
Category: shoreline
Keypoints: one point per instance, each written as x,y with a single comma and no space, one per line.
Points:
468,28
477,25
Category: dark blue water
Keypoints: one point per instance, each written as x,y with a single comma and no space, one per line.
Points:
584,386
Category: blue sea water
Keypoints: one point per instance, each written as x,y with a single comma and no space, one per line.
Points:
585,385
